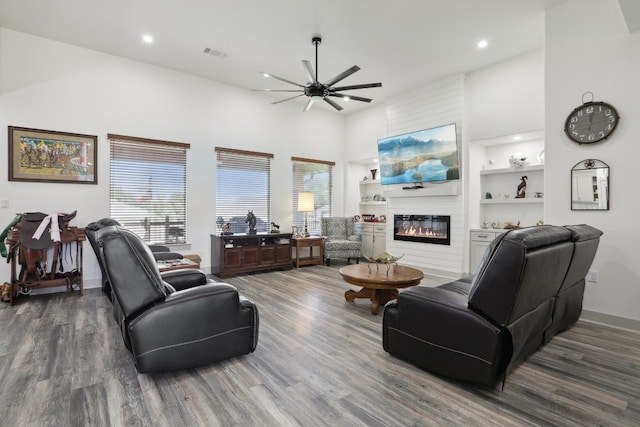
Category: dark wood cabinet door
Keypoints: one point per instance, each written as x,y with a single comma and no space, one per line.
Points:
250,256
268,255
283,253
232,258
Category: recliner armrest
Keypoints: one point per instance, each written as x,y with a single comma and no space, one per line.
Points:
434,329
164,255
194,327
423,310
184,278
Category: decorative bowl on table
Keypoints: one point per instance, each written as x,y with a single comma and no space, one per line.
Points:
384,258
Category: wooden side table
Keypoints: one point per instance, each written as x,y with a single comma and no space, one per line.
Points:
309,242
176,264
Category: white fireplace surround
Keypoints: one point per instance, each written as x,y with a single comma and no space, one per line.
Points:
410,112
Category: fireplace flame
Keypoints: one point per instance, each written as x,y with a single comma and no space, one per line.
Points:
428,228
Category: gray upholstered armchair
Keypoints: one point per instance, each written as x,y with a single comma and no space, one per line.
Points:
340,242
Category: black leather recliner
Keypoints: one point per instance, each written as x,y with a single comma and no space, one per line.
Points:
160,252
168,330
529,286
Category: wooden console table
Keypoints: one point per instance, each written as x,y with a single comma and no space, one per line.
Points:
247,253
51,278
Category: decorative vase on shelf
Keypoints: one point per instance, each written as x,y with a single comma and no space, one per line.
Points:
373,173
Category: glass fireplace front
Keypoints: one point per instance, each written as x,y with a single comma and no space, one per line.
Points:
422,228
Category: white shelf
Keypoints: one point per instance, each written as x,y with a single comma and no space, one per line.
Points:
370,181
512,170
511,201
446,189
373,203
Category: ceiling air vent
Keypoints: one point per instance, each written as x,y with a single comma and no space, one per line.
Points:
215,53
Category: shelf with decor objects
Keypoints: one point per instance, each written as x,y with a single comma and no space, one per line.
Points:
508,188
500,189
511,201
373,199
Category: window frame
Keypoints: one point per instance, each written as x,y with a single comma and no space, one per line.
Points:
151,154
322,199
233,212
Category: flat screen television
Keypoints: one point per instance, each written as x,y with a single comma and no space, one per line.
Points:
428,155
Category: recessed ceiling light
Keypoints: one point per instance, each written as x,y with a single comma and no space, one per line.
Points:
346,99
517,138
147,38
482,44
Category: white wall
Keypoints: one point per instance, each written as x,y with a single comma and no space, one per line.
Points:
506,98
54,86
588,48
363,129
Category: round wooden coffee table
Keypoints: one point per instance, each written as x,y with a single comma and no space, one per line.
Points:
378,284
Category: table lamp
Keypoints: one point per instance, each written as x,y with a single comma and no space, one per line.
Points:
305,204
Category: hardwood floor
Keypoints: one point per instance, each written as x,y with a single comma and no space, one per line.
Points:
319,362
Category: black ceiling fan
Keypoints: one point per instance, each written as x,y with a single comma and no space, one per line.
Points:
316,90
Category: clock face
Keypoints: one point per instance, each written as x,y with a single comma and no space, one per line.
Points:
591,122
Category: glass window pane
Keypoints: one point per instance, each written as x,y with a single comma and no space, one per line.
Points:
147,191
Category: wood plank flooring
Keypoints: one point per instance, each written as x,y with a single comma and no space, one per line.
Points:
319,362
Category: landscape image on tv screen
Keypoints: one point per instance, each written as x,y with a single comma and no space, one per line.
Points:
424,156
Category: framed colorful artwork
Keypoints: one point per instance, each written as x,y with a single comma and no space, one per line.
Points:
50,156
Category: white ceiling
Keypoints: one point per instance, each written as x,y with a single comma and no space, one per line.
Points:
401,43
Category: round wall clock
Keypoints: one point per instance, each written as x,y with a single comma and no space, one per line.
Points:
591,122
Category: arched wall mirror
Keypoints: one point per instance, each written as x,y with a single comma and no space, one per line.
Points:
590,185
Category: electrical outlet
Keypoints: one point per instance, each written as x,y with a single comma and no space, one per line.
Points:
4,204
592,276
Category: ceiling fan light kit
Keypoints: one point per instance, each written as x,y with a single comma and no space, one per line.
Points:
317,91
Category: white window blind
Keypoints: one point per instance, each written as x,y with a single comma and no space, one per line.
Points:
148,190
314,176
243,184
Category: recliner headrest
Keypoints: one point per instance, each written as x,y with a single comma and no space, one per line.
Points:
101,223
132,269
542,235
581,232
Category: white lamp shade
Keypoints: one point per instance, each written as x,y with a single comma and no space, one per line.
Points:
305,202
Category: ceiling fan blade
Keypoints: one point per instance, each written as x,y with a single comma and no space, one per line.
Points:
309,69
333,104
342,75
277,90
280,78
309,104
351,97
287,99
363,86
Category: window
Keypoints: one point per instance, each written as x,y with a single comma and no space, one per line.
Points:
147,191
243,184
312,176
